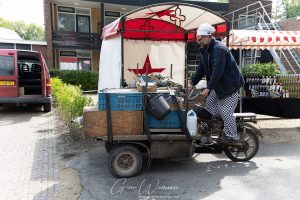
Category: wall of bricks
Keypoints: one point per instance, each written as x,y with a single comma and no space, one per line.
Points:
42,49
48,32
292,24
95,19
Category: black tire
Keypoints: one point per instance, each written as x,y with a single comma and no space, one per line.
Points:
250,146
47,107
108,146
125,161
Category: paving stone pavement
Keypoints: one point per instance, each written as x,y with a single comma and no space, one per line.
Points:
29,162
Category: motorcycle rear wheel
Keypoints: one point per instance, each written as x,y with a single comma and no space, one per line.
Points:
248,150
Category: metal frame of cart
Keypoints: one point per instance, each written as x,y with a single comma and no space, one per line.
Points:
158,33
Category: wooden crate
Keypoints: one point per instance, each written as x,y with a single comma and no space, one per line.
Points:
123,123
152,87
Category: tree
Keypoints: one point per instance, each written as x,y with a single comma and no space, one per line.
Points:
5,24
292,8
26,31
286,9
35,32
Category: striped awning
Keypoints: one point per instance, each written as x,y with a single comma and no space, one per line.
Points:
263,39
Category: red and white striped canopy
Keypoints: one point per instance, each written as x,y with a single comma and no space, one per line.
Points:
263,39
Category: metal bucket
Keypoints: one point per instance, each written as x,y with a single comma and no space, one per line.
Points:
158,107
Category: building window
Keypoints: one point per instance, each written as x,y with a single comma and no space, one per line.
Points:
83,23
66,9
23,46
73,19
84,60
15,46
68,53
7,46
75,60
66,22
111,16
251,56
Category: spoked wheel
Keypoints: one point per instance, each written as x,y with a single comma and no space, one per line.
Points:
125,161
247,150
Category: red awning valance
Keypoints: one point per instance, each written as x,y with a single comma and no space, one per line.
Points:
168,21
263,39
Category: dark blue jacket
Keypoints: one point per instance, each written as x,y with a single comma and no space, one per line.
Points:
219,67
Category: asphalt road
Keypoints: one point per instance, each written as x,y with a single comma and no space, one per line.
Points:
273,174
30,160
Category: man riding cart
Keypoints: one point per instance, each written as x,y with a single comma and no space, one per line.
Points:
148,120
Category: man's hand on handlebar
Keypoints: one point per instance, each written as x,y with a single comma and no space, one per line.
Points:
205,92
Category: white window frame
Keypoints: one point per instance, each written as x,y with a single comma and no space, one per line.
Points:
112,17
74,15
247,56
77,51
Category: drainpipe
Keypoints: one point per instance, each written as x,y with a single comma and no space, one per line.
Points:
102,17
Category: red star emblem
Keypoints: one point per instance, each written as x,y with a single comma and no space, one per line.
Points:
150,69
163,13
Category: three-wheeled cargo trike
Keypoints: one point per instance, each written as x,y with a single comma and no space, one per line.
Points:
137,119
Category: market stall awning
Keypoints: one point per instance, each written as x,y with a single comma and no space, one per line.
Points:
167,21
263,39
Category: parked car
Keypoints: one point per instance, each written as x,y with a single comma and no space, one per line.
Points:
24,78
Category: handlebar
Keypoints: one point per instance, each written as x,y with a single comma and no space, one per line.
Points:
190,97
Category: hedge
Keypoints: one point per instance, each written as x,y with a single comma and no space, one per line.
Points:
68,99
86,80
261,69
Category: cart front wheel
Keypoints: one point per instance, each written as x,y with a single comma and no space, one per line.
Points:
125,161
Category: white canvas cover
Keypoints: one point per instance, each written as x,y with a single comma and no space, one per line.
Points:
110,64
161,55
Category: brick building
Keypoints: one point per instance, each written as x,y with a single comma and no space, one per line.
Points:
73,28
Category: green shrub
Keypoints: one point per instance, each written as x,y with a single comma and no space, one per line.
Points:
261,69
69,99
87,80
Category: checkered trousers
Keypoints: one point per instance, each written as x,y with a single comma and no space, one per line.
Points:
225,109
